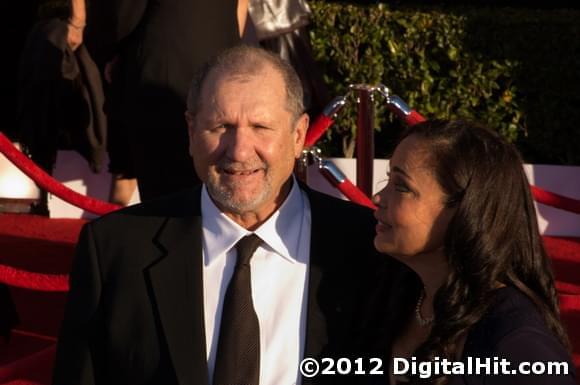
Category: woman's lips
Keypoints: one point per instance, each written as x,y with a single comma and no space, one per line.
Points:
382,227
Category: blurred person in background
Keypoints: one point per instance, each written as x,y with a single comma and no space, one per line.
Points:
123,181
149,51
282,28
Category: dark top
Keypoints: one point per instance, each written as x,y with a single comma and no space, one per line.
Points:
515,330
512,329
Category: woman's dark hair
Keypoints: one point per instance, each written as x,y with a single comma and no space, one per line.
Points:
493,235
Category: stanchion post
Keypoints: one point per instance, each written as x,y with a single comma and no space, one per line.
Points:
301,167
365,145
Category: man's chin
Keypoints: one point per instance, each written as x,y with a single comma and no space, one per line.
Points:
236,201
239,206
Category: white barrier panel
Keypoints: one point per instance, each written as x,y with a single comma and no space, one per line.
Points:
73,171
563,180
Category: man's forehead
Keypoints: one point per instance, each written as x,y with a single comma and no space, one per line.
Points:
242,74
268,85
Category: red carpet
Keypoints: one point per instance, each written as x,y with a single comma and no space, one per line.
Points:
46,245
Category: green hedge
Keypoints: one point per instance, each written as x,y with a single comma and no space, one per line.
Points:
518,70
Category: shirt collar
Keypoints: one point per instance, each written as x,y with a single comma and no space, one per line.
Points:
281,232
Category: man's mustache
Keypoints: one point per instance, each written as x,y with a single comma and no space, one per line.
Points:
230,166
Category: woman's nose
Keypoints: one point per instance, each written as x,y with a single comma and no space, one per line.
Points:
376,199
379,198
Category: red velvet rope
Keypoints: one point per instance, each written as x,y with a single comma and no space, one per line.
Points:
316,129
413,118
33,281
50,184
354,194
558,201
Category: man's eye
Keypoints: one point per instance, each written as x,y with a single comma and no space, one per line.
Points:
219,127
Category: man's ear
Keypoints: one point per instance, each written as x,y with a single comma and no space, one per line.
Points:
190,119
300,129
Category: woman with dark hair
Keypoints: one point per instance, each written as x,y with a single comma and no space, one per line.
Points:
457,211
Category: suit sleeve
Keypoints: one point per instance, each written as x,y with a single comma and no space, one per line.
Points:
80,349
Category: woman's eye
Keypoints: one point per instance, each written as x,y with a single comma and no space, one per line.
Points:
401,187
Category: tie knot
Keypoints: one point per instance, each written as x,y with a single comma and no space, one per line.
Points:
246,248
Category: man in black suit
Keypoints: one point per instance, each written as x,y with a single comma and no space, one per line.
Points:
153,286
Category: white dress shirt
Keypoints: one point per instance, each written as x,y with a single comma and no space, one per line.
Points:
279,271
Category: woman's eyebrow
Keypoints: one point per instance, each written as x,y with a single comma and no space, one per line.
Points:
399,170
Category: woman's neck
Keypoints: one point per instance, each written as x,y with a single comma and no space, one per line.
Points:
433,271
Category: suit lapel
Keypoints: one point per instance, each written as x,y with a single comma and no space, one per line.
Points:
331,294
177,282
320,245
316,333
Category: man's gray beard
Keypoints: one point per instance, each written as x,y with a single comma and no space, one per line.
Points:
224,197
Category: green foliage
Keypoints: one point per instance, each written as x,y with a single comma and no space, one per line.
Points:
515,70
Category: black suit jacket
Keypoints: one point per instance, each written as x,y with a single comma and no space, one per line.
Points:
135,309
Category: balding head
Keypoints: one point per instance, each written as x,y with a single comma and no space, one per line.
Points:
246,129
245,61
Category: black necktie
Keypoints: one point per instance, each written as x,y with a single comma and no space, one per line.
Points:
238,353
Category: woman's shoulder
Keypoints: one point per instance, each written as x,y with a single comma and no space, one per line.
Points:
515,330
511,312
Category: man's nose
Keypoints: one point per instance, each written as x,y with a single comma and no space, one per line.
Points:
241,144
